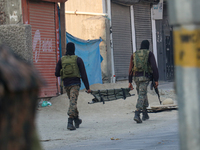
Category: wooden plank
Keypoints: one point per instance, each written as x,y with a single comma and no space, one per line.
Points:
159,108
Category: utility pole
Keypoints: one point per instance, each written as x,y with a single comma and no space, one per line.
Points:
63,27
185,17
63,34
113,79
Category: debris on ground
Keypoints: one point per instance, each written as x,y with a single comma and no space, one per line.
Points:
159,108
114,138
46,103
167,101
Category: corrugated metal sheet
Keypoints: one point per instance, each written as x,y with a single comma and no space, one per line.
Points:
143,28
42,20
122,40
132,2
57,1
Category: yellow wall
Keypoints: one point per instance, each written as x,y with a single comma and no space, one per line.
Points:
76,24
84,5
88,26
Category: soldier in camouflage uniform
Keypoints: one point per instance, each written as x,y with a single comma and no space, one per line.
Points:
142,68
71,68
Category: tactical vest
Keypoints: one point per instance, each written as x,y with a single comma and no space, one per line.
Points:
140,61
69,67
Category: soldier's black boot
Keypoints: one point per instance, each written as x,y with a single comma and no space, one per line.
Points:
70,125
77,122
145,115
137,116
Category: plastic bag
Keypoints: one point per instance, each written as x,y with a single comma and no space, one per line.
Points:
46,103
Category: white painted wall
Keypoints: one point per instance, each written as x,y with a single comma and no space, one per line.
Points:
154,36
133,29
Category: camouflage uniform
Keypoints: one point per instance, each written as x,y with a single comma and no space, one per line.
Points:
71,69
72,93
142,64
141,87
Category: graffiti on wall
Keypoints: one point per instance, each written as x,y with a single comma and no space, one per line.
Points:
14,17
14,11
41,45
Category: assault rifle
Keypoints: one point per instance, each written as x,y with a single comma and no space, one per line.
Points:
156,89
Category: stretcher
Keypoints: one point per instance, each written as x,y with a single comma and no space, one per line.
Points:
110,95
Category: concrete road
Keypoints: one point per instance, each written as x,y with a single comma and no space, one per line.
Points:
114,119
163,138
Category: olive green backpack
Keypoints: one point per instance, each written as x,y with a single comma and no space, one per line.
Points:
140,61
69,67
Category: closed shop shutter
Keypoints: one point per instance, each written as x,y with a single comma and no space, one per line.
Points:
143,28
42,21
122,39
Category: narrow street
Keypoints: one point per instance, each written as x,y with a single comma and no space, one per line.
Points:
110,125
91,50
163,138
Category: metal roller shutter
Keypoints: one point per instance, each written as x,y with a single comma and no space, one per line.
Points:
143,28
42,20
122,40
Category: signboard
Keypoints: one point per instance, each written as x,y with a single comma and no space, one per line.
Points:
158,11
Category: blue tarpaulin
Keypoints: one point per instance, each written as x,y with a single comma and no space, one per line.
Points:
89,51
